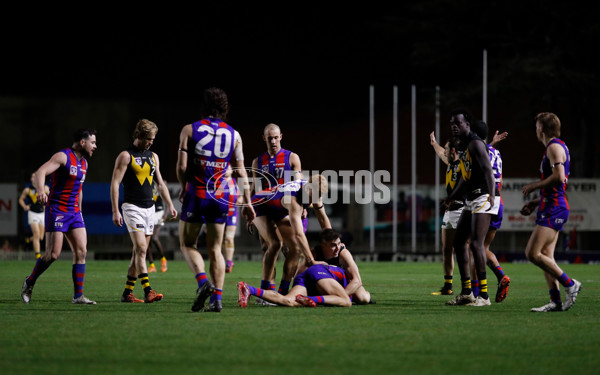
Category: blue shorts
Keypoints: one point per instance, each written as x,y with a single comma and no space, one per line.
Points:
496,220
58,221
232,216
203,210
312,275
552,217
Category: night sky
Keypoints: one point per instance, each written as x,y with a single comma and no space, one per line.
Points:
309,70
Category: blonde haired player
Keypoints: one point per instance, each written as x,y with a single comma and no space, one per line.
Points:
137,168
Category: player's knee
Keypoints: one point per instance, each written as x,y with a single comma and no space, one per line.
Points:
274,247
533,257
80,253
228,242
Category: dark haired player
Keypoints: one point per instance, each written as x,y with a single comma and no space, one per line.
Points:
68,169
206,149
481,129
478,188
332,251
319,284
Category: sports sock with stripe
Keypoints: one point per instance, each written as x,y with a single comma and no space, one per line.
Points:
78,274
145,281
129,285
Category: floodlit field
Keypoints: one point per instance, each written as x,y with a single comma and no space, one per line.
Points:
407,331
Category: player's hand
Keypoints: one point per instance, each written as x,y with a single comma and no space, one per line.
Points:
527,189
499,137
173,212
432,138
491,199
42,198
117,219
528,208
248,213
444,205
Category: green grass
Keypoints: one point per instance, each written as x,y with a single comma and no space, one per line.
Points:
408,331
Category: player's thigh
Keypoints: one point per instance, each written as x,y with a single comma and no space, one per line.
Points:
214,235
330,287
139,240
54,242
288,233
542,240
267,230
188,233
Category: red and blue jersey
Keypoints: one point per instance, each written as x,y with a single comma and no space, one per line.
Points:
275,169
209,153
339,275
554,196
496,162
66,183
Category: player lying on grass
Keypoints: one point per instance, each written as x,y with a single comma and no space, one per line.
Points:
319,284
331,250
279,212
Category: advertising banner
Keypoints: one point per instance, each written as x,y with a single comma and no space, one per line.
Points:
582,195
8,209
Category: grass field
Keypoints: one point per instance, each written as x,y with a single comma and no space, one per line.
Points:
408,331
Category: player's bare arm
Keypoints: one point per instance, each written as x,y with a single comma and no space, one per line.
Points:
58,159
237,163
163,190
439,150
22,199
319,210
296,166
117,176
352,273
482,158
498,137
557,157
295,211
182,157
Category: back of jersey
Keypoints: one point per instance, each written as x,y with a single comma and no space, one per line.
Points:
209,154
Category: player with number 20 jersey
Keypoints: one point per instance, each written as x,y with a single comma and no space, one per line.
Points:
209,153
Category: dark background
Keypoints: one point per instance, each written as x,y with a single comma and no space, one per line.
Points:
305,67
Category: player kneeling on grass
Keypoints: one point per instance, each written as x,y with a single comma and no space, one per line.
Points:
319,284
